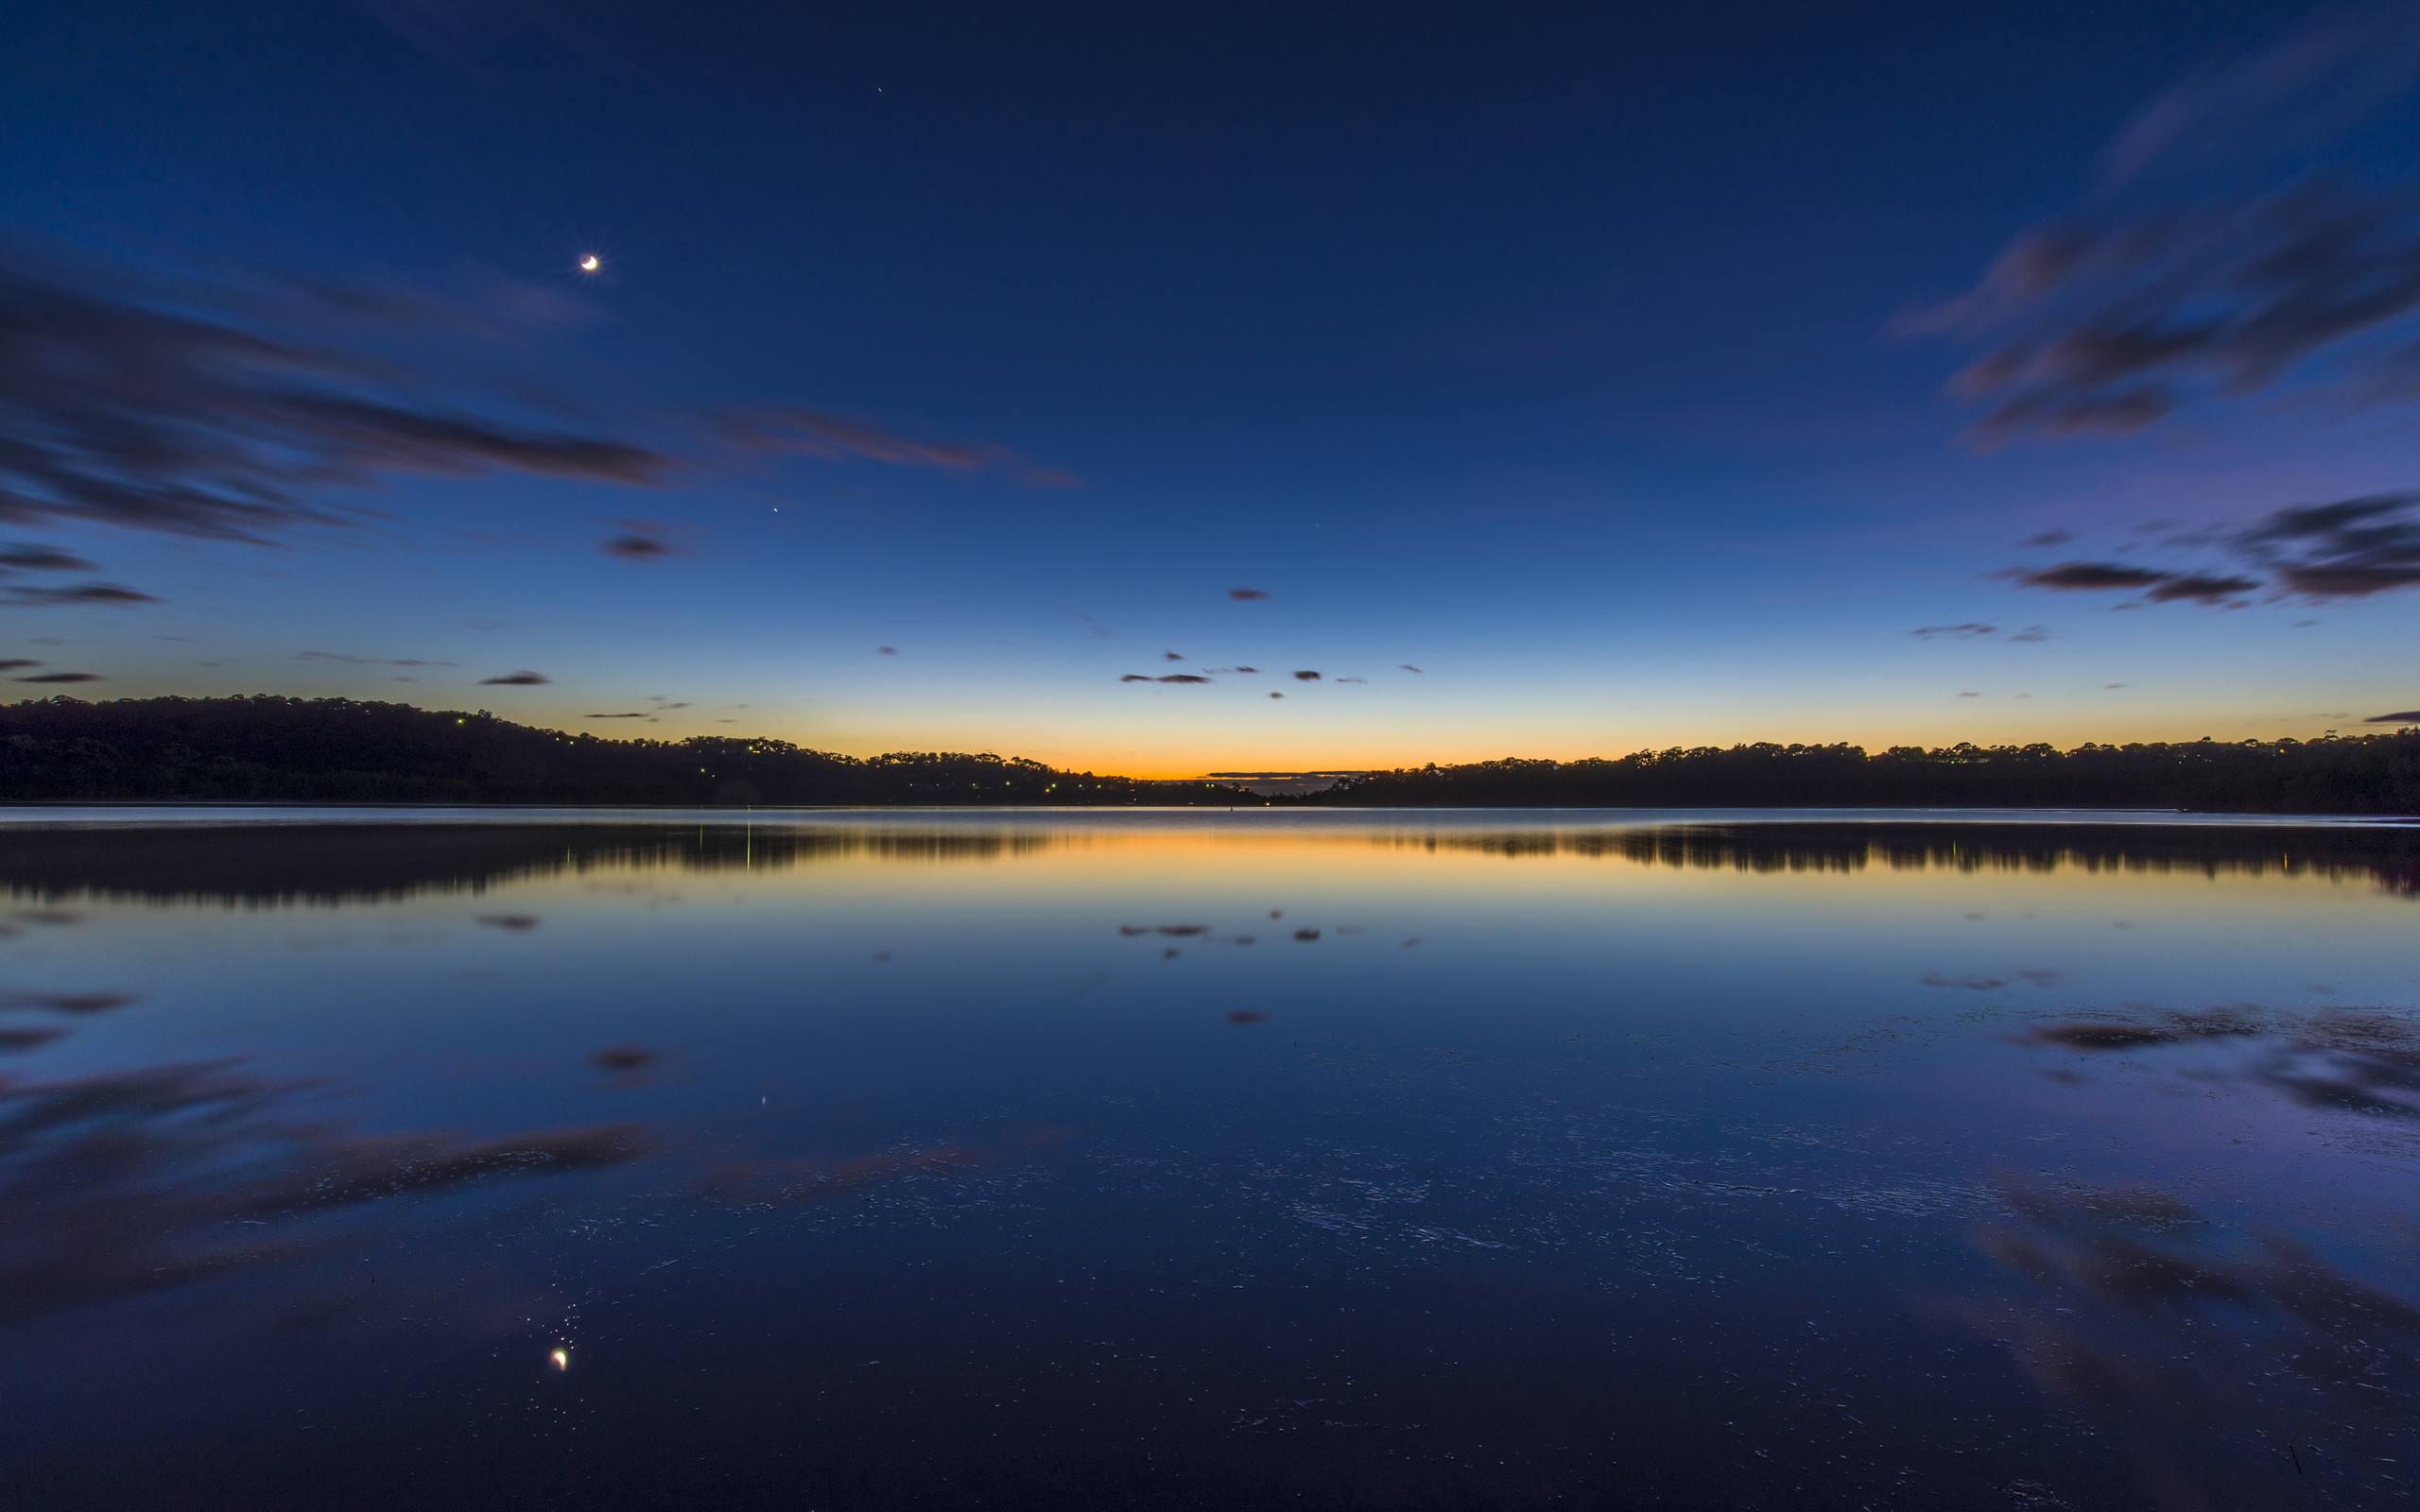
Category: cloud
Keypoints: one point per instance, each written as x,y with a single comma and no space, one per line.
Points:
2049,538
631,716
1171,656
639,546
1970,695
12,663
838,437
1245,595
2349,548
514,679
239,412
1241,672
1353,679
2203,587
2406,716
1407,666
369,660
1966,631
2314,80
2142,299
1277,696
75,1003
2345,548
2031,635
1173,677
65,676
886,650
110,594
2091,577
624,1058
1307,677
24,557
2159,585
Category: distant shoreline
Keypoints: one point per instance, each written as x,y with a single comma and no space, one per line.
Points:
276,751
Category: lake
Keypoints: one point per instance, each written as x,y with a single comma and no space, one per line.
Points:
1195,1158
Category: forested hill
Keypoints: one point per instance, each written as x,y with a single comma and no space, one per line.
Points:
2366,774
266,749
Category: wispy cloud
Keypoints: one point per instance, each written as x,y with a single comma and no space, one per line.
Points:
641,541
24,557
108,595
2140,301
241,411
840,437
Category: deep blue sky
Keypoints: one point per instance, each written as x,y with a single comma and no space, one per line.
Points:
1560,351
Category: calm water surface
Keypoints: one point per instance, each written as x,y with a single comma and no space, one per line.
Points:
1191,1160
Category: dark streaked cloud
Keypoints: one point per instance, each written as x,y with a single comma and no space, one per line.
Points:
2091,577
2345,548
2406,716
12,663
635,545
1243,595
107,594
1307,677
635,715
25,558
2203,587
2348,548
244,412
65,676
2049,538
1407,666
1965,632
514,679
2031,635
2139,302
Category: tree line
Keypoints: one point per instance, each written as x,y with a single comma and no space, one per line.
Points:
266,749
2364,774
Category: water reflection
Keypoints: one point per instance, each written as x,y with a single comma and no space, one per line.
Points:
2156,1322
296,863
163,1177
2341,1061
915,1161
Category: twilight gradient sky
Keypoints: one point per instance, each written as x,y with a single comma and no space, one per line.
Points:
1645,376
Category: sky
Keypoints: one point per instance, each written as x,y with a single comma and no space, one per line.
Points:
1550,380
